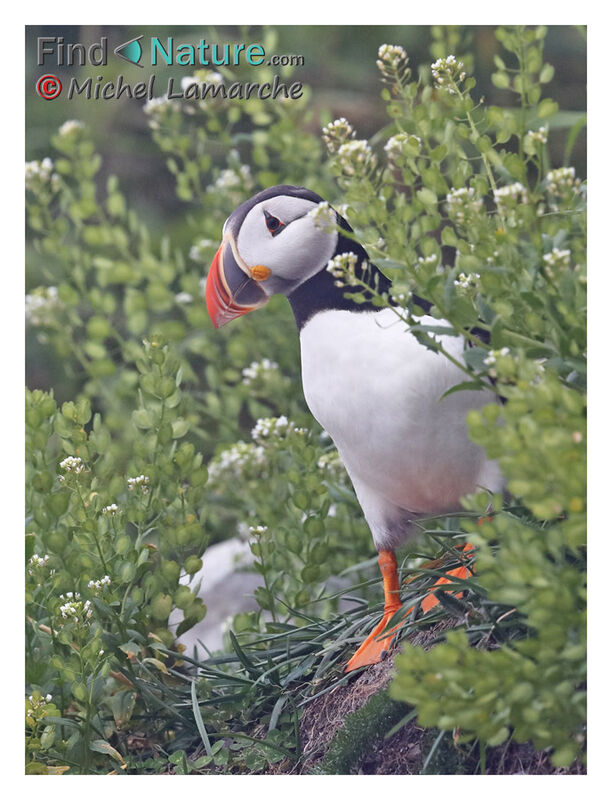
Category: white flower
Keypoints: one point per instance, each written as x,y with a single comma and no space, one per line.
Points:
464,281
97,586
555,261
74,609
428,261
447,73
232,178
183,298
558,180
492,360
331,464
112,509
257,530
537,137
562,187
37,566
272,428
187,81
356,157
337,133
141,481
463,204
391,56
42,306
258,369
72,464
38,561
402,144
39,172
69,126
507,197
236,459
324,217
157,106
342,267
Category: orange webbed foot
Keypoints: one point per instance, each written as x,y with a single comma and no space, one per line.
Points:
377,645
461,572
375,648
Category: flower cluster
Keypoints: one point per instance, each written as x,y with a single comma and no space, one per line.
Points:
324,217
558,181
464,205
562,187
183,298
257,530
447,73
428,261
156,107
112,509
42,306
37,561
141,481
508,197
468,281
236,459
342,267
38,707
70,126
331,464
400,146
274,428
555,261
37,568
393,63
97,586
535,138
233,178
73,465
356,157
401,298
337,133
500,363
189,85
74,609
40,173
258,369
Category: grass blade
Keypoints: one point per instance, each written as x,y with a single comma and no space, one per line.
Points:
199,721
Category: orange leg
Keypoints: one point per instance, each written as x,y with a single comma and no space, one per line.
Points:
460,572
372,649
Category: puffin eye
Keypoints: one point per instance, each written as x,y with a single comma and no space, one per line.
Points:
273,224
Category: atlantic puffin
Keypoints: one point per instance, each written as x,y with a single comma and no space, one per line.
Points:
371,384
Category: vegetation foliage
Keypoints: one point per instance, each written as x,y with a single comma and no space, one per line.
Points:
180,435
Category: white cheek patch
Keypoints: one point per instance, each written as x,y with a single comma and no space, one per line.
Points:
295,254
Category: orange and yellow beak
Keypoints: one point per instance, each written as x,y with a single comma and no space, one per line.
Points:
232,288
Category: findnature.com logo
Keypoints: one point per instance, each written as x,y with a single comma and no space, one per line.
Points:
54,50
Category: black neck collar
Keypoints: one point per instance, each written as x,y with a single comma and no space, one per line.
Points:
320,292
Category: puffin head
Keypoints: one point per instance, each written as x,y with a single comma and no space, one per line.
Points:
270,245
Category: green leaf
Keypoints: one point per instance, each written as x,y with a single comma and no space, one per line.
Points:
462,387
547,108
102,746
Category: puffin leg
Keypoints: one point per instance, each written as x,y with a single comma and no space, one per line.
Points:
373,648
462,572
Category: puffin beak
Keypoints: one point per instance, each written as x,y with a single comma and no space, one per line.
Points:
231,291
